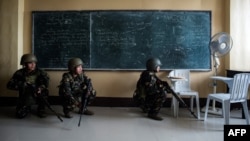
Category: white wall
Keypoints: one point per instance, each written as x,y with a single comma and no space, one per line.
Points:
240,32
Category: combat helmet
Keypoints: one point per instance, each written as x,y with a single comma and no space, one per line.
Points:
73,62
26,58
152,64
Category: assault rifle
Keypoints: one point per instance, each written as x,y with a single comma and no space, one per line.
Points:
170,90
84,100
42,96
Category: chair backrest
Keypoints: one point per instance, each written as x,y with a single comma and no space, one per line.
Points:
181,85
240,87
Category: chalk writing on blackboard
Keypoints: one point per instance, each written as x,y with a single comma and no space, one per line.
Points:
123,40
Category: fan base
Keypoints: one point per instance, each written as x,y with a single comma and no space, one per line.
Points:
213,110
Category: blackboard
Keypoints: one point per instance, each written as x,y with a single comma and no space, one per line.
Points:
122,40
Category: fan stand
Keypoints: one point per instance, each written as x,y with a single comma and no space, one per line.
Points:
214,109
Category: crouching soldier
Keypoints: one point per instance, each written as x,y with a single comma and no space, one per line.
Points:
76,89
32,84
151,92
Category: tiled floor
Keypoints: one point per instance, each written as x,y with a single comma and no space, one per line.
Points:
114,124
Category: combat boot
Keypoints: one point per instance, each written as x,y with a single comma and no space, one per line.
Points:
67,111
155,117
41,113
88,112
67,115
22,111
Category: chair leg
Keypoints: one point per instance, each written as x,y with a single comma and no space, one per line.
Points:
192,103
245,108
207,106
174,106
177,108
226,111
198,106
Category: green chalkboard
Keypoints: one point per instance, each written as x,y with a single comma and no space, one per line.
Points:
58,36
123,40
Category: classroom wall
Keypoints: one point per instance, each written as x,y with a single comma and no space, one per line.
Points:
8,42
119,84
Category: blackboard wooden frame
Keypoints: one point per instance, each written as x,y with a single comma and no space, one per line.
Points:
122,39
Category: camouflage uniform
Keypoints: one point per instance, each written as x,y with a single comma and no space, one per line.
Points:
151,92
27,84
73,89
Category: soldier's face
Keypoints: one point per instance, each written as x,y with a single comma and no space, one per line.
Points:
31,66
78,69
158,69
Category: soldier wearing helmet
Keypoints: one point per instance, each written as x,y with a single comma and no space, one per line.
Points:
75,87
26,58
153,64
150,93
32,83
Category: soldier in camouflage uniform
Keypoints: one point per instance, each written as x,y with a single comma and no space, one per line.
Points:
74,89
151,92
32,84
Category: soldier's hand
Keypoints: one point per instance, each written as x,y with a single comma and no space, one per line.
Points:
73,101
39,91
87,94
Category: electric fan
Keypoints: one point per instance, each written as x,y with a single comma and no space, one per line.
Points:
220,44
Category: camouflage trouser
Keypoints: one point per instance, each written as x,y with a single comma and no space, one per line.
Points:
26,100
139,100
70,104
151,104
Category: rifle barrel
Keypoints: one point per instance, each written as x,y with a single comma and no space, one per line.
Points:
84,102
52,110
176,96
183,103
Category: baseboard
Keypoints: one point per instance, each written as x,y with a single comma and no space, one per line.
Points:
99,101
110,102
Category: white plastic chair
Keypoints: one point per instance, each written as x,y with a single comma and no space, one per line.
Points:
180,80
238,94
